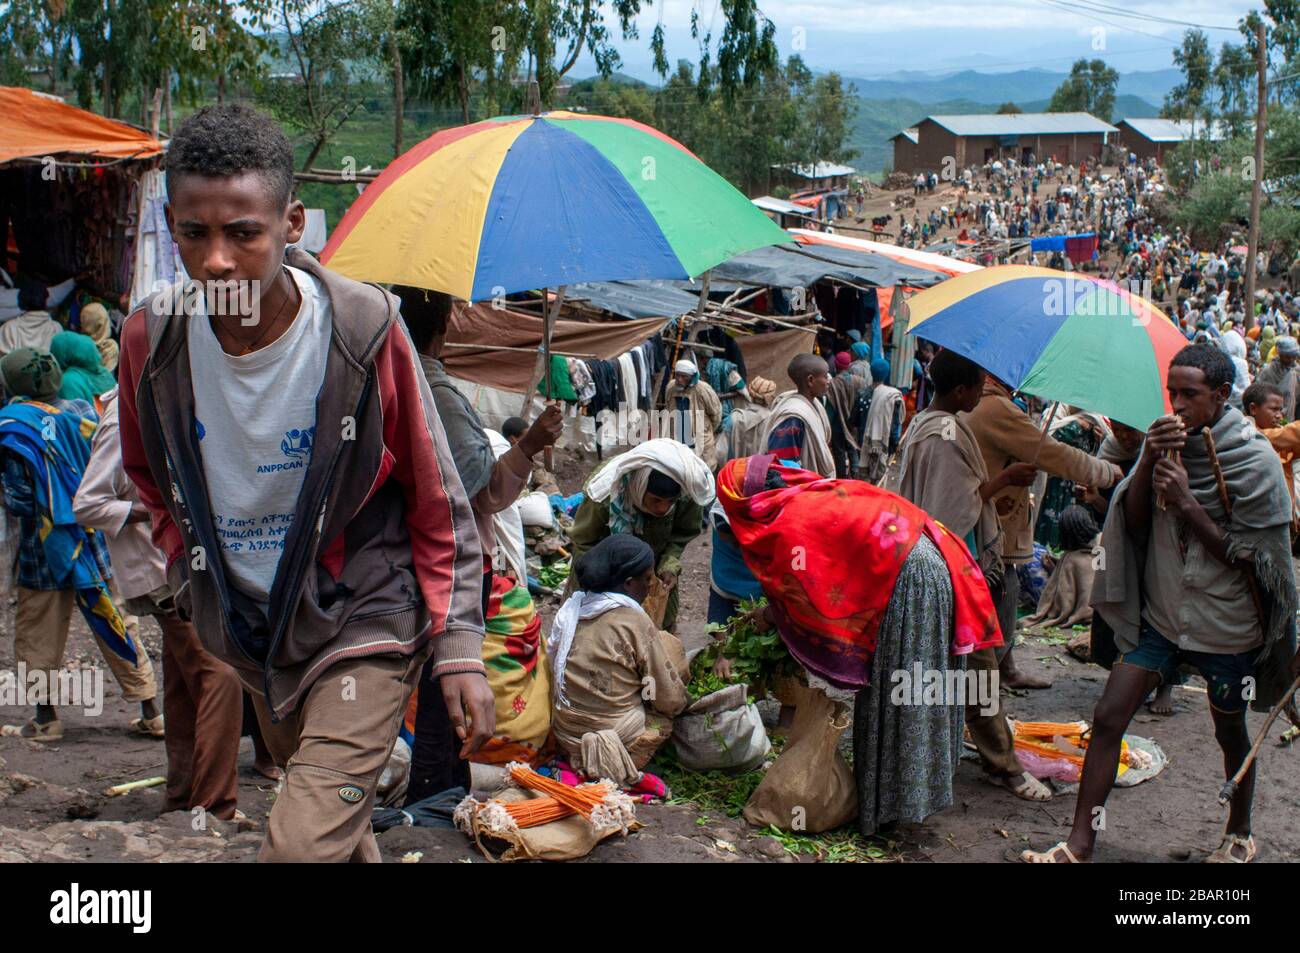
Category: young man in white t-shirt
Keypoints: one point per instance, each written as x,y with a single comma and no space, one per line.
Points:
279,429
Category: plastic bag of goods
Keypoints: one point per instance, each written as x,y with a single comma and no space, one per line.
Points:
721,732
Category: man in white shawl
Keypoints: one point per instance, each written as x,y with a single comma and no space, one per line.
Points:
618,680
943,472
798,430
696,411
884,425
1197,571
33,327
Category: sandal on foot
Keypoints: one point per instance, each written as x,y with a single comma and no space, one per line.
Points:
43,731
1049,856
1224,855
1026,786
149,727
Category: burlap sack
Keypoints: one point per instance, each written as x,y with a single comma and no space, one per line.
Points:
809,788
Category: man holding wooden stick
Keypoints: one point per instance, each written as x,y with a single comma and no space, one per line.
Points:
1206,580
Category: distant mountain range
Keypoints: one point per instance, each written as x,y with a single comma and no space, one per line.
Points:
995,88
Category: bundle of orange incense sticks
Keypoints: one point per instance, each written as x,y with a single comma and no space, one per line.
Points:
601,803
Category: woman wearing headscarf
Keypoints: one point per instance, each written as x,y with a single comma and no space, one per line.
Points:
861,365
1267,338
94,324
1234,345
728,383
44,450
605,652
1083,431
911,600
846,409
696,411
1282,372
84,377
748,421
883,425
657,492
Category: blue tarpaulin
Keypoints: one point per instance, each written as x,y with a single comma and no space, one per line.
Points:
1055,242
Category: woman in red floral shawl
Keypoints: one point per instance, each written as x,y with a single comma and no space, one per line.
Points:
871,596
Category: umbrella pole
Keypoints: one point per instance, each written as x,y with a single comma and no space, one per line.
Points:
1047,422
548,328
542,369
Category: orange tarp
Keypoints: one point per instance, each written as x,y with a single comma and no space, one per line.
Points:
33,124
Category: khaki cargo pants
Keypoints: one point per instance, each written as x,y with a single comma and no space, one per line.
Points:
334,748
41,636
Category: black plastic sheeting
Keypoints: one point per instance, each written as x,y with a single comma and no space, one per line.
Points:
779,266
798,266
636,299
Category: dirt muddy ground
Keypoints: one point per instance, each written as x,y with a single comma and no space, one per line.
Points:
52,805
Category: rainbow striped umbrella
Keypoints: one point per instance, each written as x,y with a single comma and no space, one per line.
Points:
1061,336
524,202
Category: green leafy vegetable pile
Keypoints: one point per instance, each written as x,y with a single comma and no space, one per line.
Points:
552,576
758,656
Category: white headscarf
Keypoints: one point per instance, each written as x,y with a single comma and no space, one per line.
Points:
669,457
580,606
1234,345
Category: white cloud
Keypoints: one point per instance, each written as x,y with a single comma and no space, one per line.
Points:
897,16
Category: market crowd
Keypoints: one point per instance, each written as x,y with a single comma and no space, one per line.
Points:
330,539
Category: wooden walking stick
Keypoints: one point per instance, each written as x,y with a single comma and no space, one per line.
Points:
1177,457
1212,452
1230,786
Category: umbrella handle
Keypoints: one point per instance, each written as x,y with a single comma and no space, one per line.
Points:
548,327
1047,423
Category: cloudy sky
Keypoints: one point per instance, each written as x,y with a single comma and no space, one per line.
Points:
877,37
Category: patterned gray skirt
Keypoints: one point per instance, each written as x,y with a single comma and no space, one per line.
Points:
904,755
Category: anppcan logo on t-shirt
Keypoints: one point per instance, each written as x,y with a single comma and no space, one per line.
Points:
297,443
296,446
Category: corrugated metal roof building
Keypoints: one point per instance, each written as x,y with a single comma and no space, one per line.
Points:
819,170
1155,137
950,143
905,144
1023,124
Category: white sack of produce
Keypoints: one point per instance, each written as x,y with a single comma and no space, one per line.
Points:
721,732
535,508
